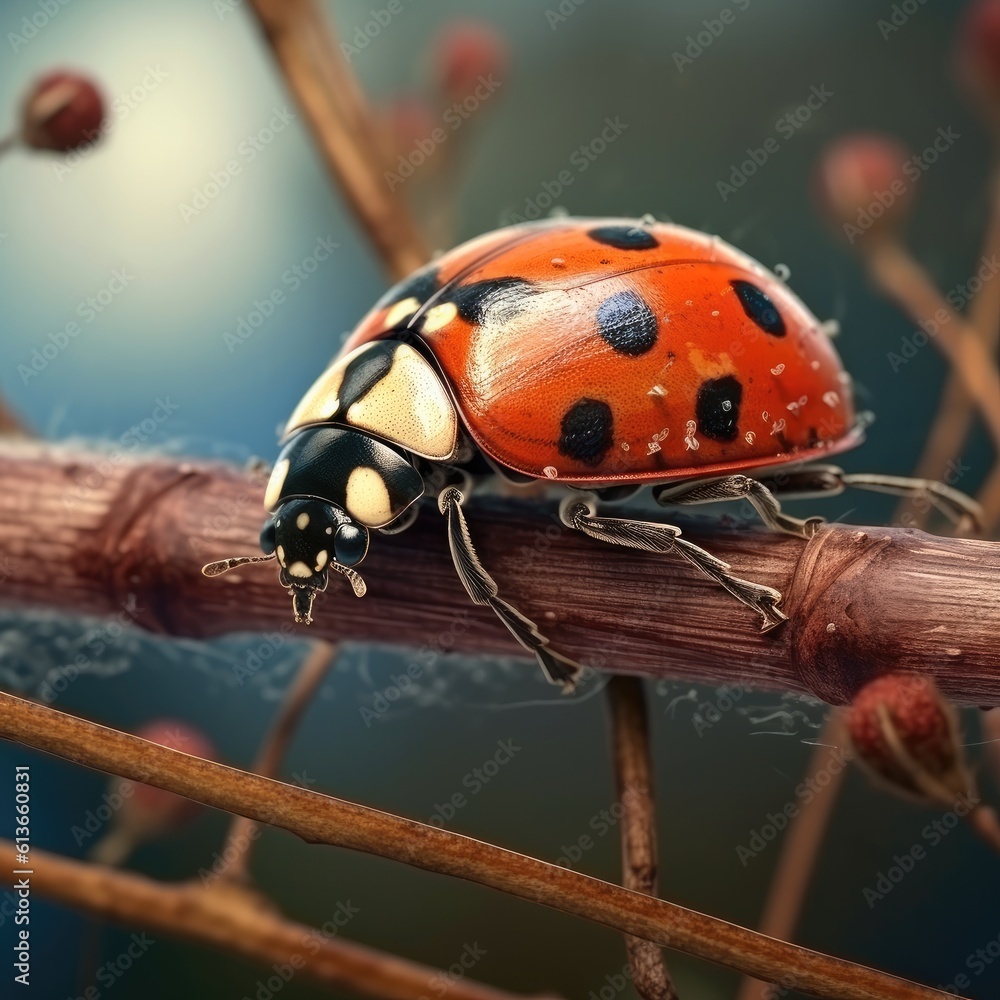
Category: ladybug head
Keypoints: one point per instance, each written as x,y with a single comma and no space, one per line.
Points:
309,538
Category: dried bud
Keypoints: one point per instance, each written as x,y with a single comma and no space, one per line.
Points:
466,52
145,811
978,52
62,112
907,734
861,186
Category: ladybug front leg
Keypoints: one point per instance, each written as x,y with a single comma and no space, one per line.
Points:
739,488
483,590
652,537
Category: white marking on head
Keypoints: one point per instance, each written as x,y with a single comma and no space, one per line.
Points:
401,310
299,569
438,317
302,521
273,492
367,497
329,531
281,555
321,558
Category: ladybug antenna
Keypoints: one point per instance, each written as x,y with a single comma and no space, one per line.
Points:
359,585
225,565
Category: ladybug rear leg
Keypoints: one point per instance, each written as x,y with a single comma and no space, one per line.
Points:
739,488
829,480
483,590
581,514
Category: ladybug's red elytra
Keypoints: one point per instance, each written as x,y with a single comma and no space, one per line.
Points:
602,355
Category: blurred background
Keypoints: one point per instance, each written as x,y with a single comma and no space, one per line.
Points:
191,88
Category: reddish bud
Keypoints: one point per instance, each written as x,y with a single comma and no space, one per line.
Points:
978,50
860,182
464,52
907,734
62,112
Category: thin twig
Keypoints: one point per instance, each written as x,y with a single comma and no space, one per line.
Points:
344,129
801,845
308,678
634,780
902,279
321,819
240,922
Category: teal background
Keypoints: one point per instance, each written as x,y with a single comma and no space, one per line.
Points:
66,230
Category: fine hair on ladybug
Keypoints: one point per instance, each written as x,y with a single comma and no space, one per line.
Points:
596,355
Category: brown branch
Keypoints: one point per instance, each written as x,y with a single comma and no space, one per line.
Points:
634,779
801,845
861,601
321,819
240,838
342,126
236,921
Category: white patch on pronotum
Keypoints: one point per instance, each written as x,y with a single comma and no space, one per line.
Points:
401,310
299,569
302,521
329,531
438,317
321,558
281,555
273,492
367,497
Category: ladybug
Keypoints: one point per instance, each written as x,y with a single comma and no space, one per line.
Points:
597,355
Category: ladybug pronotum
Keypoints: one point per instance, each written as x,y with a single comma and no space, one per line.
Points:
602,355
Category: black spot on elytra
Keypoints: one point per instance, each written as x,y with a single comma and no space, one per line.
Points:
587,429
624,237
498,299
627,323
420,285
759,307
717,408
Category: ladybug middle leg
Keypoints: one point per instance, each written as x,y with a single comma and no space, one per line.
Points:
581,513
483,590
738,488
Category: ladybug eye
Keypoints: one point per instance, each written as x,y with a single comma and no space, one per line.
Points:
350,544
267,539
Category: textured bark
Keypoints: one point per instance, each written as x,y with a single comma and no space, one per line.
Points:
86,533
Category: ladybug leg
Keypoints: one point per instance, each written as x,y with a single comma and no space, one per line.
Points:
739,488
649,536
483,590
829,480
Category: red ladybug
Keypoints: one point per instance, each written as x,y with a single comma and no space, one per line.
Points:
600,354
